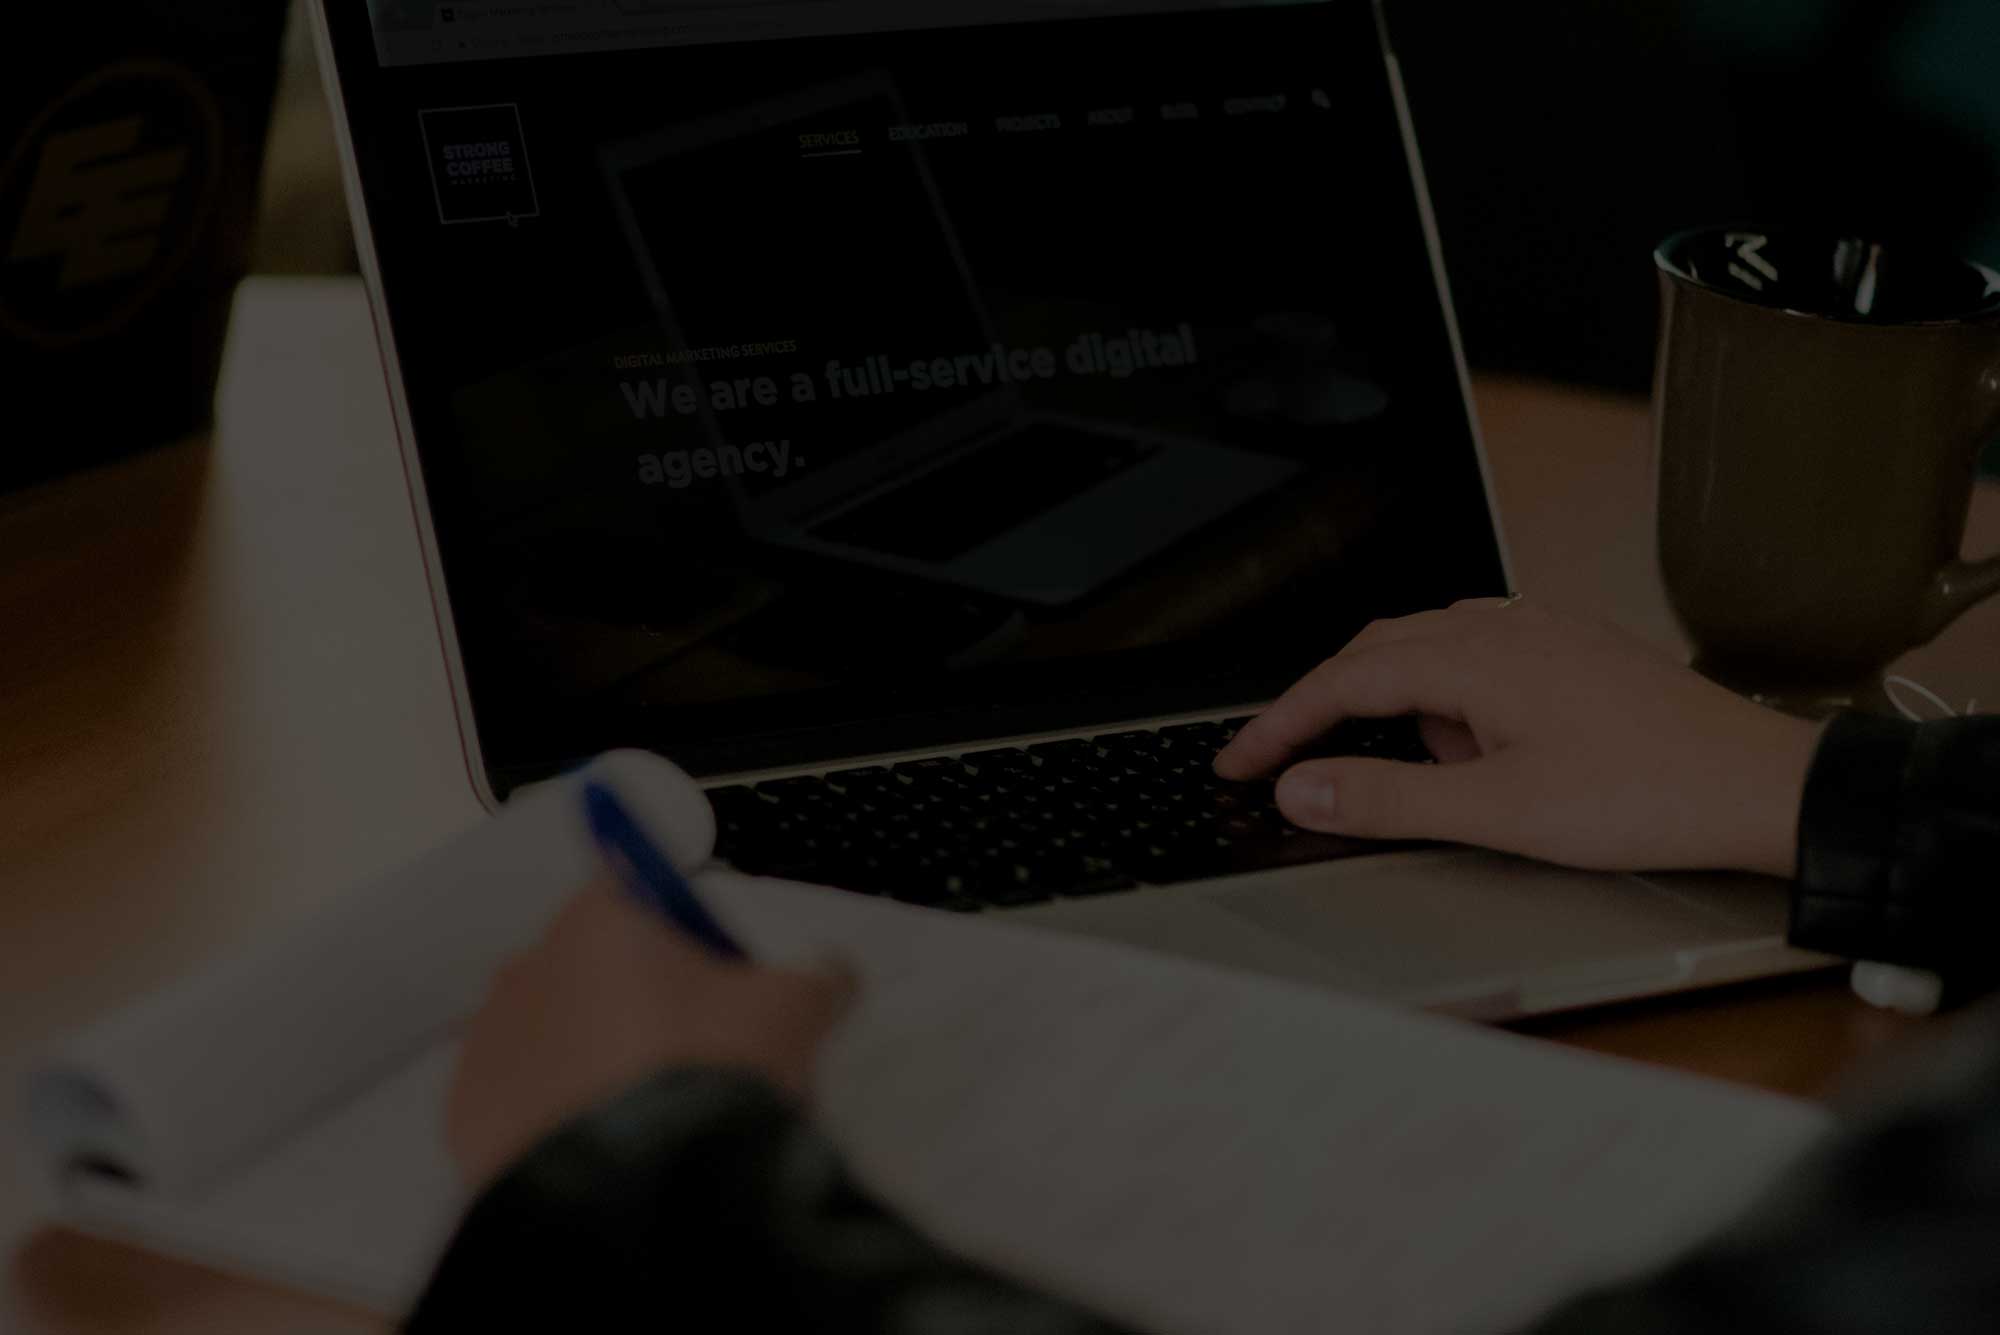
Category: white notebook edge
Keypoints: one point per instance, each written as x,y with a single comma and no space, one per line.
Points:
118,1215
177,1088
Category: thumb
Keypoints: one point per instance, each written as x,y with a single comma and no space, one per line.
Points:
836,985
1466,803
823,989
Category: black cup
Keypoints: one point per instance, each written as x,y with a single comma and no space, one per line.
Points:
131,141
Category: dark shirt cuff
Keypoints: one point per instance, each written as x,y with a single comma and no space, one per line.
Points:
608,1215
704,1201
1848,835
1896,846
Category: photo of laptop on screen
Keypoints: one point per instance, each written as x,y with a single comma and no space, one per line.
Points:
1084,501
938,433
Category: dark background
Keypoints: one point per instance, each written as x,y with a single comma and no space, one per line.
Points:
1564,138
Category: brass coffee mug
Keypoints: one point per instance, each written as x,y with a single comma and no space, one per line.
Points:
1821,405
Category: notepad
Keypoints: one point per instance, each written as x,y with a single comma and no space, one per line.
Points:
1177,1146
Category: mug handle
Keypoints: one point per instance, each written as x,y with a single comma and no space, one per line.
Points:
1959,588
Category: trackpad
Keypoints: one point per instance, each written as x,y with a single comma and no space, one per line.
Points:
1414,920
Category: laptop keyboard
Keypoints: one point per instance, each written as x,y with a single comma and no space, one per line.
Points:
1011,826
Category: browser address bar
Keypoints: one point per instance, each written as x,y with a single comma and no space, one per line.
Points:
496,29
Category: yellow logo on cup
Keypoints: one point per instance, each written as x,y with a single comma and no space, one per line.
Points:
103,201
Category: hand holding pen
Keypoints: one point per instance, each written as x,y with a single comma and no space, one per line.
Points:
634,977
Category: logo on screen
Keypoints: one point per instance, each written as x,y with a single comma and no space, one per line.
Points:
103,200
479,164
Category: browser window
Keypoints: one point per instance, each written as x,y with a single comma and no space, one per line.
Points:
789,383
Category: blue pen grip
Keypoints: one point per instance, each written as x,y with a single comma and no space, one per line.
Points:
648,875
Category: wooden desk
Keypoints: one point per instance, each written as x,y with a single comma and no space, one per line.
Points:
224,701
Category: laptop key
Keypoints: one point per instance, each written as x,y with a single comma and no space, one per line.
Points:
1004,759
1241,797
1197,735
1380,739
1006,891
932,883
868,871
866,778
797,794
1249,825
932,794
1084,876
1069,746
1172,860
1195,780
1083,765
776,858
1085,844
936,770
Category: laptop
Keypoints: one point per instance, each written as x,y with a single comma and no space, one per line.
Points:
938,432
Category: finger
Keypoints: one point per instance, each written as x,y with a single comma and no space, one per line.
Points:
1444,620
1377,635
602,904
608,921
832,986
1394,630
1424,676
1471,803
512,977
1450,741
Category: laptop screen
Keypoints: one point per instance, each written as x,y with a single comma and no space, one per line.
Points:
795,380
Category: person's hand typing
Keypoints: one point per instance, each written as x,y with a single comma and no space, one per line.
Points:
1556,738
610,996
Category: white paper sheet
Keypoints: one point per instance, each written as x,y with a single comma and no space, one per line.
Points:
1186,1149
202,1078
